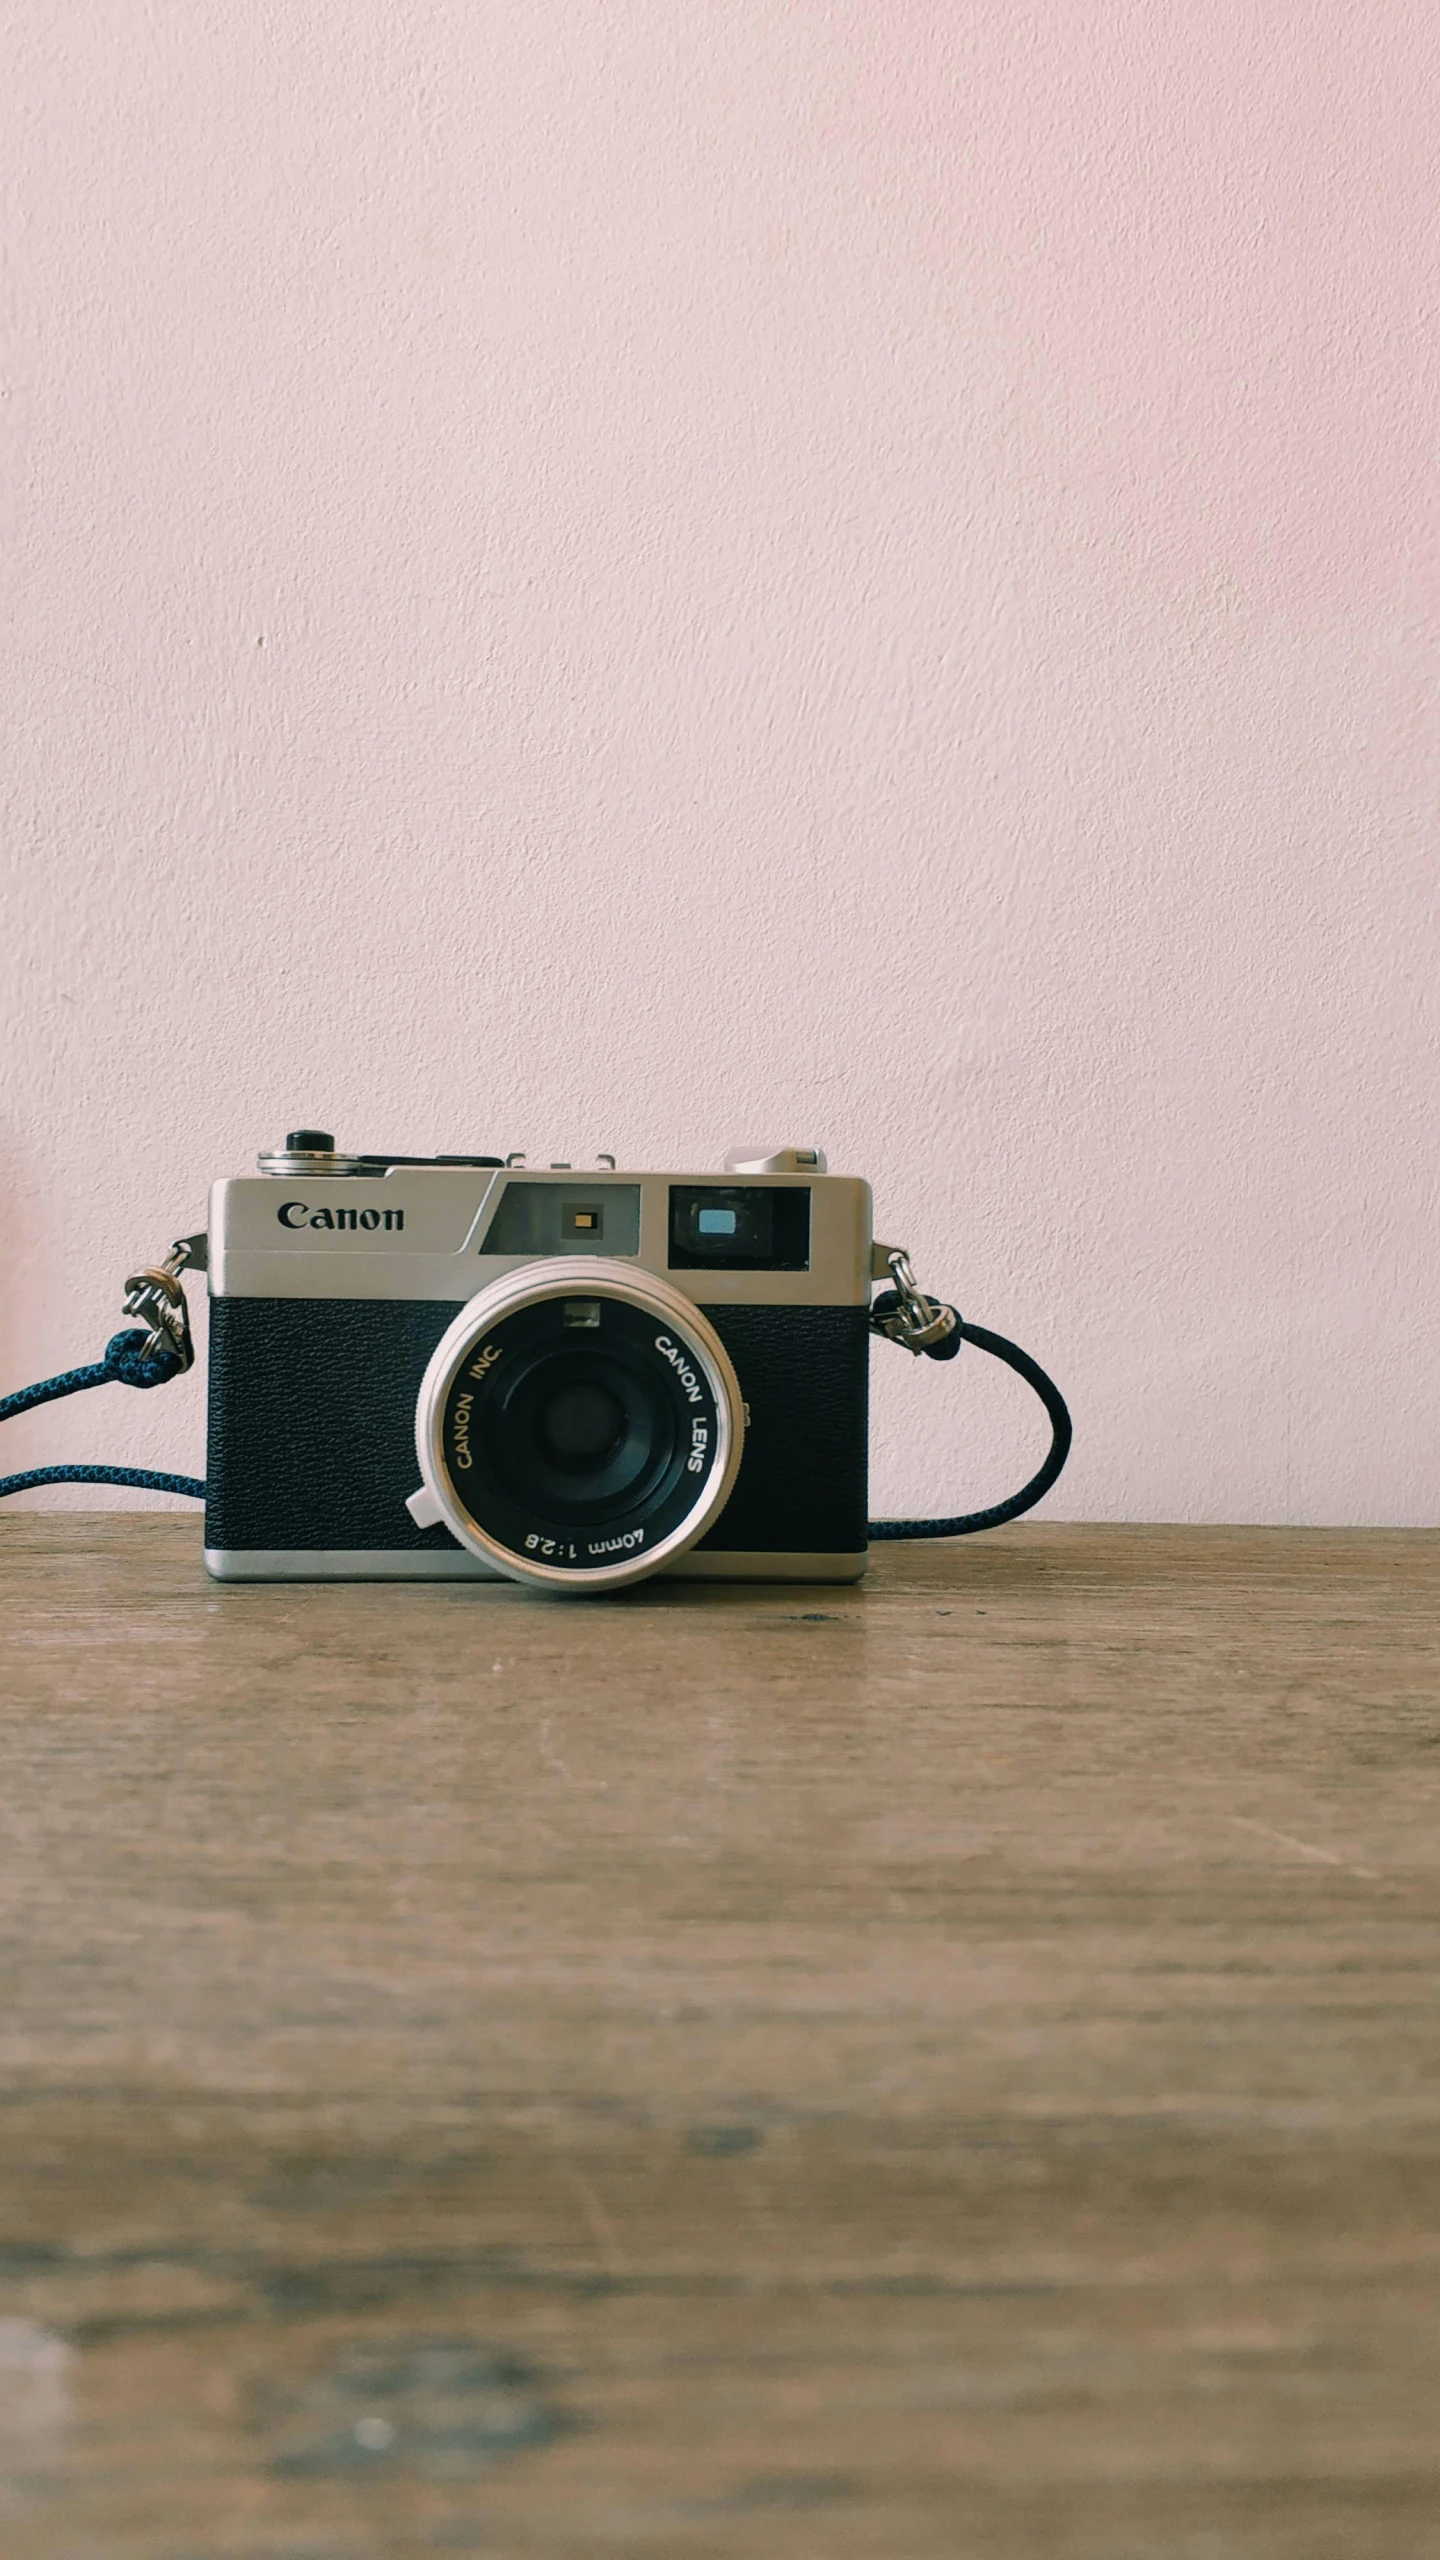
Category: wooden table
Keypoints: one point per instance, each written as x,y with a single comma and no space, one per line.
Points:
944,2068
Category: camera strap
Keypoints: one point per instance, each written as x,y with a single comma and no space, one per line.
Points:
933,1331
136,1358
150,1356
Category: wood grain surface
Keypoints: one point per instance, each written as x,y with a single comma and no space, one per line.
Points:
948,2067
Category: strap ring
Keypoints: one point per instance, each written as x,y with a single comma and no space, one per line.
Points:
905,1315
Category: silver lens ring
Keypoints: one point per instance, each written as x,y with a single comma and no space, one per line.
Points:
580,1424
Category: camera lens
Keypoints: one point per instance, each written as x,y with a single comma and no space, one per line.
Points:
580,1426
579,1441
578,1434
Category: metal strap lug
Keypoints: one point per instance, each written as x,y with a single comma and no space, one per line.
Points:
154,1295
918,1322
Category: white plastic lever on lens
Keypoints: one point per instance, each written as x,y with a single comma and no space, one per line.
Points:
423,1508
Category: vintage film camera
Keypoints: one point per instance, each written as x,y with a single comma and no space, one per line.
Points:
468,1367
572,1377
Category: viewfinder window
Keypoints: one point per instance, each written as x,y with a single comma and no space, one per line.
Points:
739,1227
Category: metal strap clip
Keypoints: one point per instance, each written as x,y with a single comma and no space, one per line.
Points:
154,1295
905,1315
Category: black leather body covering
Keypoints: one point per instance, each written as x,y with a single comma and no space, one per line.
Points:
312,1424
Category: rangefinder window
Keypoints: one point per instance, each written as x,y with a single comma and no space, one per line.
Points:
739,1227
554,1217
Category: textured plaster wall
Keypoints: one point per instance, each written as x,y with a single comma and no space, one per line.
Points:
625,575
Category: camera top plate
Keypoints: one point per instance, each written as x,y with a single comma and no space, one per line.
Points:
317,1222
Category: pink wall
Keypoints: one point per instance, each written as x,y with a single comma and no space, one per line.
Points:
1212,235
615,576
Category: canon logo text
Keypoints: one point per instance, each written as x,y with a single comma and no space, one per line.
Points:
295,1213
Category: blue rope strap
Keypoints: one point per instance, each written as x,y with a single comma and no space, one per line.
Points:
126,1362
145,1479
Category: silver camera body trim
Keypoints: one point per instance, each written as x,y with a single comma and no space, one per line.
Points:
391,1564
437,1253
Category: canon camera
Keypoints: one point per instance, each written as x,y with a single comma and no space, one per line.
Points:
571,1377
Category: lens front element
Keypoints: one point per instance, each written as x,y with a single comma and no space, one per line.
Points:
579,1443
581,1425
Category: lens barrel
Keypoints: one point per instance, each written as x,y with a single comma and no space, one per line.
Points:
579,1424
